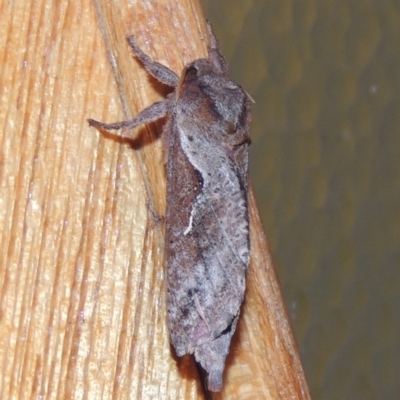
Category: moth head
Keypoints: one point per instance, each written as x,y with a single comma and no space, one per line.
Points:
193,71
189,73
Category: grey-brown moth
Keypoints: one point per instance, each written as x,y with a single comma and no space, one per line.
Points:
206,140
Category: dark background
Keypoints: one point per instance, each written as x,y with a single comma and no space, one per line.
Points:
325,164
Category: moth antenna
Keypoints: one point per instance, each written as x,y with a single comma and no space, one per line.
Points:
250,98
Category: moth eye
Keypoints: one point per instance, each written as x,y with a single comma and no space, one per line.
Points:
191,72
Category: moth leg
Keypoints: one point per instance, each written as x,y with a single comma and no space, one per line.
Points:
159,71
149,114
214,56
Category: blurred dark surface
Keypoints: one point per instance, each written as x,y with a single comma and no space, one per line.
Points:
325,164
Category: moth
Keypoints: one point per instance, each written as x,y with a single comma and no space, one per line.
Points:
206,140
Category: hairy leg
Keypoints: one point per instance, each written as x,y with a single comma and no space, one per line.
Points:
159,71
214,56
149,114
